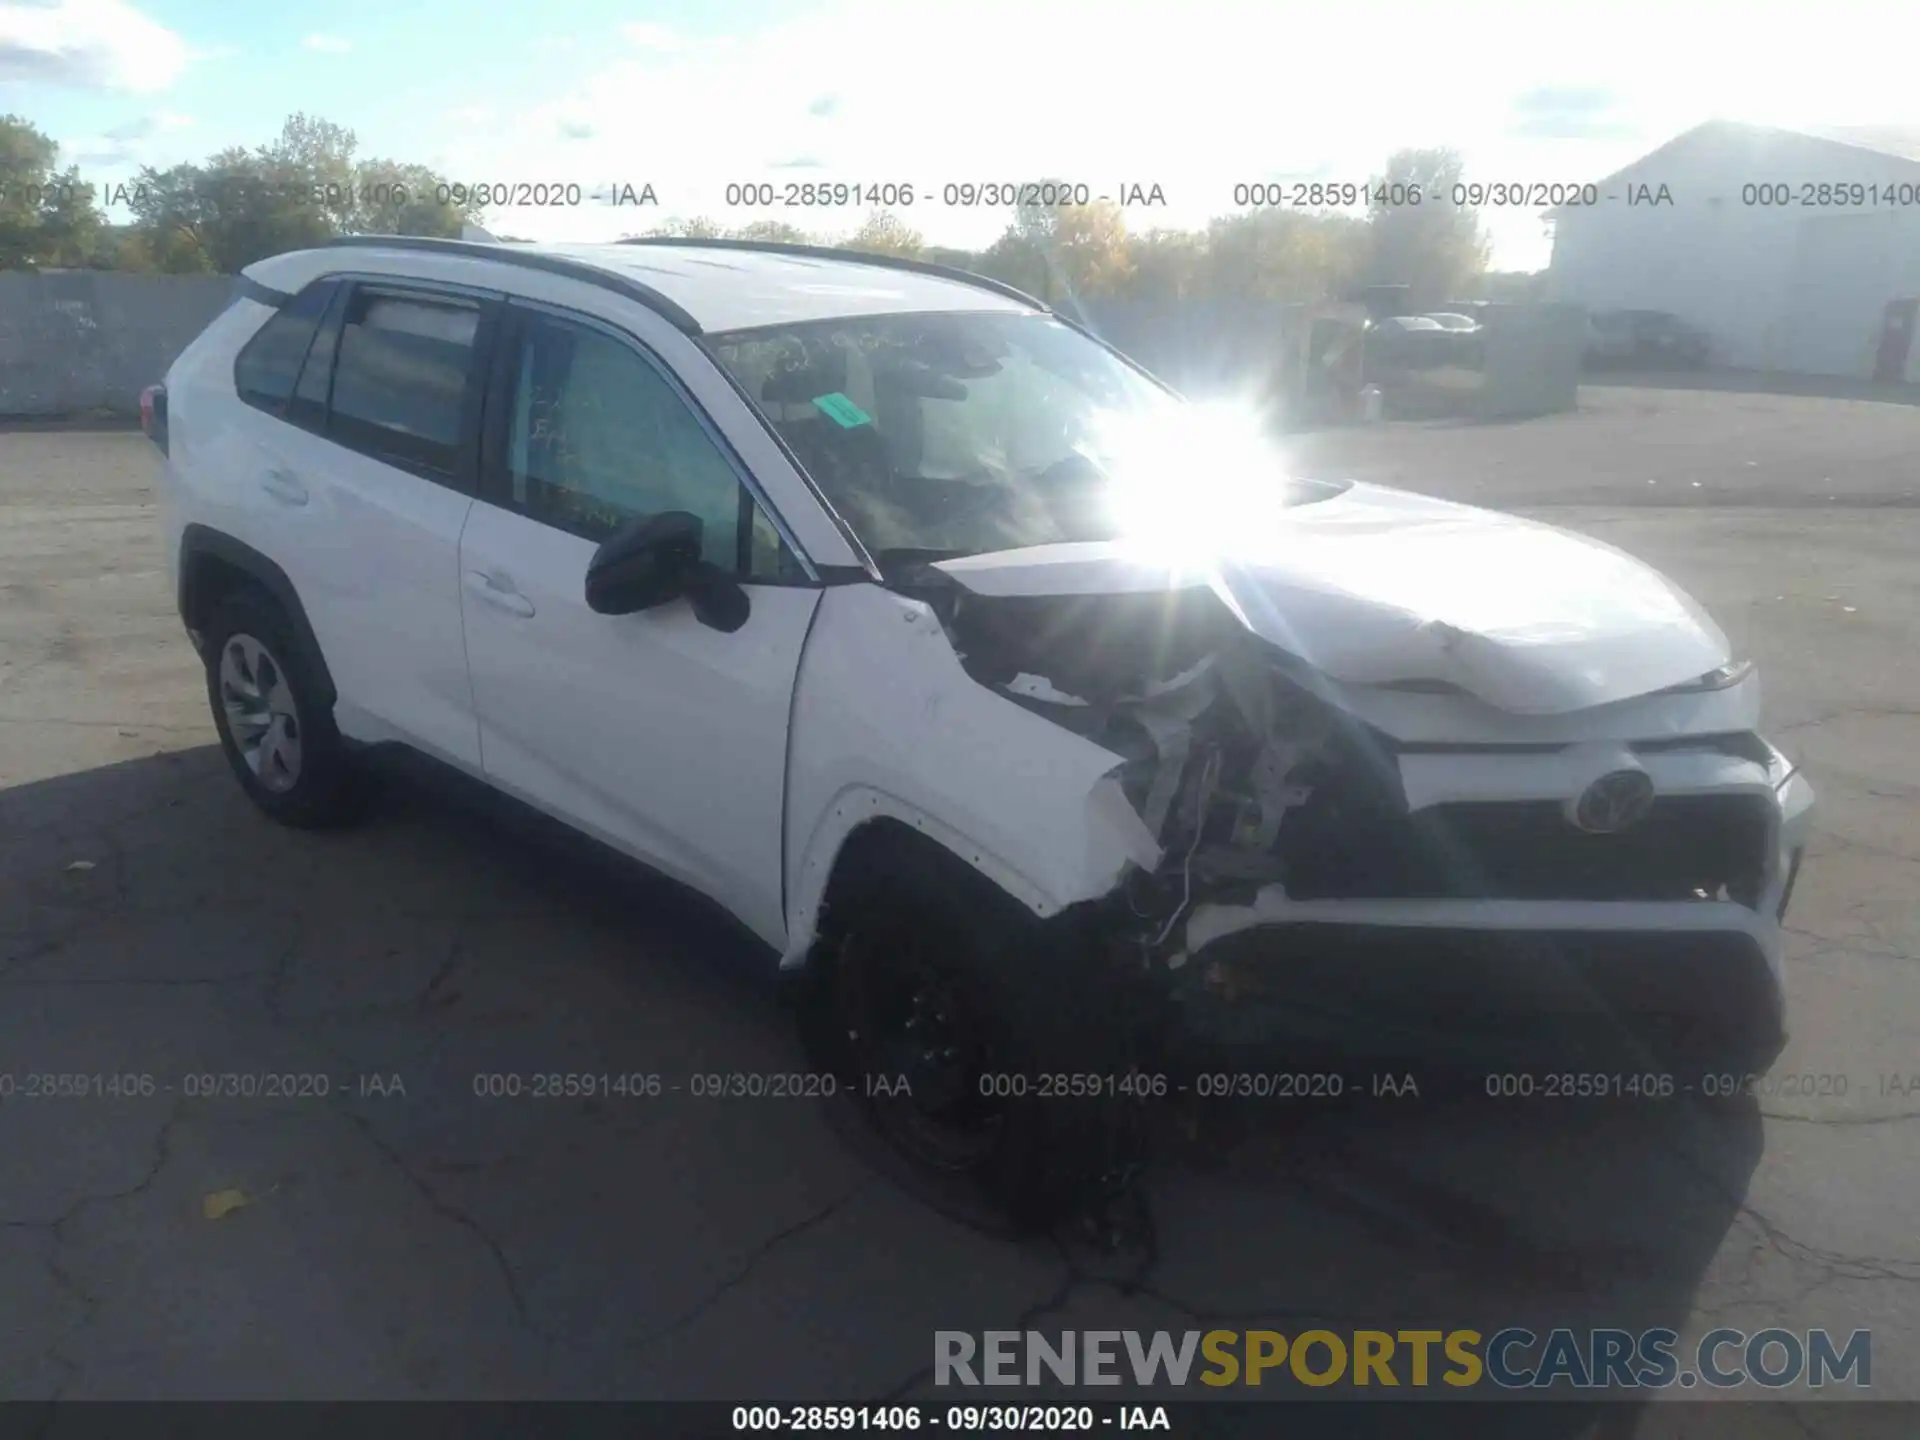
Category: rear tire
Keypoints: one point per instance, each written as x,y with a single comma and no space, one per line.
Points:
278,737
931,973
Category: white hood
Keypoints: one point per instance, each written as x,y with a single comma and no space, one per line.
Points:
1376,585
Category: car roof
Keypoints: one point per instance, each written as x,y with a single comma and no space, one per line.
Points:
717,285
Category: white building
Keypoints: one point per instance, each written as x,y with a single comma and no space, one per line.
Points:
1790,248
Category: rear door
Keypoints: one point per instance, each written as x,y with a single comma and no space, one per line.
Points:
651,731
377,474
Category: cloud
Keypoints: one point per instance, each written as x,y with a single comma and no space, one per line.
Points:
1172,107
326,44
142,127
88,45
1231,94
136,129
645,35
130,143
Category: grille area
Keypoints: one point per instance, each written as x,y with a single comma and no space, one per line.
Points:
1355,847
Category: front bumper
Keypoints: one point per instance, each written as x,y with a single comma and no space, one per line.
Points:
1507,983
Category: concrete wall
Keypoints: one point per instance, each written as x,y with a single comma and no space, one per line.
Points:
83,341
1532,360
78,341
1526,363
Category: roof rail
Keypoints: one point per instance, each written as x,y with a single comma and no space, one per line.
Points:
530,260
851,257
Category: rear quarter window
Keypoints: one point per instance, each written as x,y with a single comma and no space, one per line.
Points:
268,365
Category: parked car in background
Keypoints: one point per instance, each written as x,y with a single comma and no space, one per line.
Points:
1653,338
1447,320
1608,341
1405,342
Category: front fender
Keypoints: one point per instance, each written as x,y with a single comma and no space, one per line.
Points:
1115,835
887,725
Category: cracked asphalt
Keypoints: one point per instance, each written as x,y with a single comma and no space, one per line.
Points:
404,1237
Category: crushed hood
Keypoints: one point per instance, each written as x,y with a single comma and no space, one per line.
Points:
1378,586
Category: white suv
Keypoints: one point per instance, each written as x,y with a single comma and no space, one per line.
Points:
1048,731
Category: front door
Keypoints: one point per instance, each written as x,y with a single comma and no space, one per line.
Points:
651,731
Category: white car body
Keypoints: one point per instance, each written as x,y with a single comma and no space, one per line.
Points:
1506,661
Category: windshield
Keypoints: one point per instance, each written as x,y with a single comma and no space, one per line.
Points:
936,435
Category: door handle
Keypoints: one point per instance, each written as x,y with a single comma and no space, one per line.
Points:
498,592
284,486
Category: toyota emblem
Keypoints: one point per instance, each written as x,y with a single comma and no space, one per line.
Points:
1613,802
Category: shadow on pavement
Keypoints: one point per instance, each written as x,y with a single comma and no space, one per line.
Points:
461,1238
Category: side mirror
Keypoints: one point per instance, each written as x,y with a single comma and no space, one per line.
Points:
655,560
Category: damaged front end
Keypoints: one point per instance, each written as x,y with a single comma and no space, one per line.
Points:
1301,891
1219,743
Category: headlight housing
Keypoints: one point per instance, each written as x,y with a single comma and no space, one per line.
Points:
1724,678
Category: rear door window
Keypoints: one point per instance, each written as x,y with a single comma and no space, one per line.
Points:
403,381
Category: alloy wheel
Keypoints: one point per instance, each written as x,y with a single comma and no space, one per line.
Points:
262,716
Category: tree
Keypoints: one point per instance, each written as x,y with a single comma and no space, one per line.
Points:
395,199
316,156
947,255
1021,261
698,228
70,224
222,216
1168,264
300,189
1057,250
885,233
778,231
308,184
1090,248
1284,255
47,216
1433,247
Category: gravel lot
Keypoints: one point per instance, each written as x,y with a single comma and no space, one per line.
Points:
435,1244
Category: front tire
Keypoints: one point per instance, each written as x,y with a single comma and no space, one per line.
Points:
932,975
278,737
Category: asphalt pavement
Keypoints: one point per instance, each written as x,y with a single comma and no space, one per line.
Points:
390,1230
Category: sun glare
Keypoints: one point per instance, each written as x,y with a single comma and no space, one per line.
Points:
1192,481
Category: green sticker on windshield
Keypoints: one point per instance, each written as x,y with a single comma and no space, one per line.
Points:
842,411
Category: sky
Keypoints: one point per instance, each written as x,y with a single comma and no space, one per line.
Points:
1194,97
